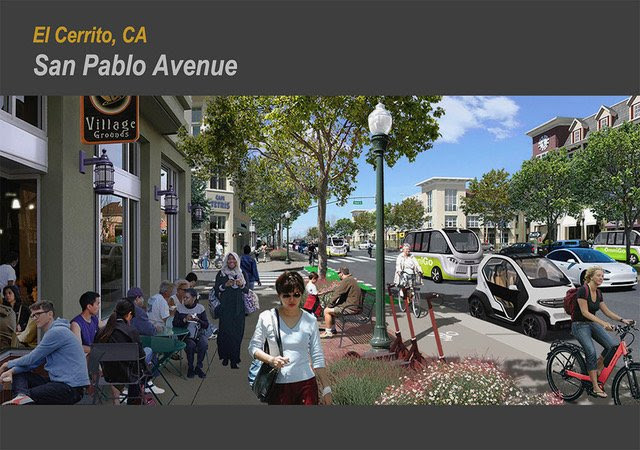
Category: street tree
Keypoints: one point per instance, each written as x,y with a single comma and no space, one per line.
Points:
409,214
267,211
315,140
542,190
312,234
489,198
608,170
199,198
365,222
343,227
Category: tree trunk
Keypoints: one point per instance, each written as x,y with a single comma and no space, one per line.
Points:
322,232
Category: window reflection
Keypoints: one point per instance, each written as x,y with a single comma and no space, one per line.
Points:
111,251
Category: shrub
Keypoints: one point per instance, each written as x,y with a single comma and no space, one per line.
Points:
469,382
359,381
278,254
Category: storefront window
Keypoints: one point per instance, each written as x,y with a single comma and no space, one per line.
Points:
19,232
112,261
5,103
123,156
29,109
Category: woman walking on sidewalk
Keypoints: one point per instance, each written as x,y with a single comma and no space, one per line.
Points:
296,382
230,287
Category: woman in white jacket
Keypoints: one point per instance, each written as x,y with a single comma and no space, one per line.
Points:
302,356
407,270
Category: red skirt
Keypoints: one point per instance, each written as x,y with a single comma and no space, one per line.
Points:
312,305
299,393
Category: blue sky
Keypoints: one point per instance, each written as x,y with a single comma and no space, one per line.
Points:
479,134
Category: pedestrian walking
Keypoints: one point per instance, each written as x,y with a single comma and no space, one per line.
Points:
230,286
249,268
296,383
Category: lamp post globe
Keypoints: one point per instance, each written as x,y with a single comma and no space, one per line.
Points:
287,216
380,122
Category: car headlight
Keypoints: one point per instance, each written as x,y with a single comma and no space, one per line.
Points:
453,260
606,271
633,269
552,302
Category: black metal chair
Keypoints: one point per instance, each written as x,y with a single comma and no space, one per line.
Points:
111,353
356,314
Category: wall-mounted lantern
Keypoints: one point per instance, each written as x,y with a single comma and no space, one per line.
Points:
170,199
103,183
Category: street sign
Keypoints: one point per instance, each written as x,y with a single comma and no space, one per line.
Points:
357,202
108,119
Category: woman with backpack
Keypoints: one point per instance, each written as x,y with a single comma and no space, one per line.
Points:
586,326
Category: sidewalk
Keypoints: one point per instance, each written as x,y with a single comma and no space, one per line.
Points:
461,335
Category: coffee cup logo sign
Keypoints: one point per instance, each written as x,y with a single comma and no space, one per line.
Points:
108,119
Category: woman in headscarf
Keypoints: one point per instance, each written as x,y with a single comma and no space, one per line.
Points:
230,287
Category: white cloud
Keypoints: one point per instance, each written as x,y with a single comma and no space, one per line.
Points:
497,115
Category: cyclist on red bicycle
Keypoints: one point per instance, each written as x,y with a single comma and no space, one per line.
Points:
586,326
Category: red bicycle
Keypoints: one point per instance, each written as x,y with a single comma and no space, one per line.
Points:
568,377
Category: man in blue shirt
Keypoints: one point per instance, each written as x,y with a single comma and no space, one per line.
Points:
64,360
249,268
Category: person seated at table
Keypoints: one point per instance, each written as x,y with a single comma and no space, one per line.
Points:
7,327
119,330
140,320
192,316
158,307
29,336
11,298
85,325
178,297
64,360
346,294
192,278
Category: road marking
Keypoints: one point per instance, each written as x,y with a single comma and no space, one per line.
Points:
444,335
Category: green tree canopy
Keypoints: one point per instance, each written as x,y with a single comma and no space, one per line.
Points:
542,189
314,140
489,198
343,227
365,222
608,170
409,214
199,198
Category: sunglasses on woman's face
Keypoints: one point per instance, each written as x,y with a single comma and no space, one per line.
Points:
296,295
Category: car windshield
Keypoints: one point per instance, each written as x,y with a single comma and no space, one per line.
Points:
541,272
592,256
337,242
464,241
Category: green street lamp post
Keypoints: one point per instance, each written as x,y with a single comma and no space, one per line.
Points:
380,124
287,216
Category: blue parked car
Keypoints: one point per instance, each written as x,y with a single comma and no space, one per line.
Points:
570,243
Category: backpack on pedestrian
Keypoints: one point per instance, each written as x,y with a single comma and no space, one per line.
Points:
571,300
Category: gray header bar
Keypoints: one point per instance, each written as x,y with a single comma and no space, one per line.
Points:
324,47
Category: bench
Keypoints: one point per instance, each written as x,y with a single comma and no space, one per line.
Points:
357,314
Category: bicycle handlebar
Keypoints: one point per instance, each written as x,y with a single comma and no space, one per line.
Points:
625,328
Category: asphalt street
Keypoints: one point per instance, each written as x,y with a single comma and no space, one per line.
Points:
454,294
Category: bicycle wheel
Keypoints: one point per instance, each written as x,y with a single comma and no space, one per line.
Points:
401,303
415,305
560,360
625,388
205,264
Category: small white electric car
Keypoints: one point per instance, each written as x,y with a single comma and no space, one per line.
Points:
524,290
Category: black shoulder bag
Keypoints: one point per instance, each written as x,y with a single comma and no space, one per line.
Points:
266,378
